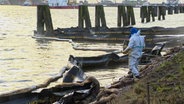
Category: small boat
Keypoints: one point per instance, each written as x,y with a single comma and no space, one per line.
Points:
97,61
113,58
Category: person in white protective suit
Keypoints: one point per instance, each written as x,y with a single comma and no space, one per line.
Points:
134,49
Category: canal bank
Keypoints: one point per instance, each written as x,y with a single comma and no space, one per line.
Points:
29,61
161,82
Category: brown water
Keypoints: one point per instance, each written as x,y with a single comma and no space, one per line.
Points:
25,61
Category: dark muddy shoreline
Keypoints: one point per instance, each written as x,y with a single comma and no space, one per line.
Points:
159,82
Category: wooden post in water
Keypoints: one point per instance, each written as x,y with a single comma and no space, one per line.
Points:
81,21
130,15
84,17
149,8
122,14
181,9
176,9
48,21
144,13
87,17
161,12
40,20
152,10
97,16
100,16
44,17
155,10
170,10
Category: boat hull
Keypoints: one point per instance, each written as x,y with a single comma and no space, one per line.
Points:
113,58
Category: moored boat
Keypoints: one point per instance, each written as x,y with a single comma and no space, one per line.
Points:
113,58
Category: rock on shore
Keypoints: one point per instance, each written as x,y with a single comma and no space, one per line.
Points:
161,82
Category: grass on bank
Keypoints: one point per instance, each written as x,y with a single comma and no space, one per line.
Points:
166,85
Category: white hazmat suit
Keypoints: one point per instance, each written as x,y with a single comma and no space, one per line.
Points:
135,48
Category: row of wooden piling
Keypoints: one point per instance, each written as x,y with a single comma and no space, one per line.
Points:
125,16
175,9
84,17
148,12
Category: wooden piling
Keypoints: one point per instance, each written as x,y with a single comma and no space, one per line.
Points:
80,20
143,13
44,17
152,9
97,16
149,12
130,15
181,9
48,21
155,10
100,16
87,17
122,14
84,17
161,12
40,20
176,9
170,10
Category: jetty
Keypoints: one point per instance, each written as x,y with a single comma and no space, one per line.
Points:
125,19
86,89
101,32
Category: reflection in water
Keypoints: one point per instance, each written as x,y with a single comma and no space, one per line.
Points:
25,61
43,44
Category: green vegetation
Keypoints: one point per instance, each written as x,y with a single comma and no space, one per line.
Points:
166,85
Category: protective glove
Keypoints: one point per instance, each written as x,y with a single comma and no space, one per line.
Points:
126,51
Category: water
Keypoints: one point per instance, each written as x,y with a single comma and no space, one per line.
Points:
25,61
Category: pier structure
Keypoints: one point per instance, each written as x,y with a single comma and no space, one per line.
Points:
125,19
44,18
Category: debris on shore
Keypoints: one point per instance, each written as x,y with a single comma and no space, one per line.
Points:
161,82
162,79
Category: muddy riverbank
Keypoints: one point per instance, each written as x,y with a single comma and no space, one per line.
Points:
26,61
161,82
